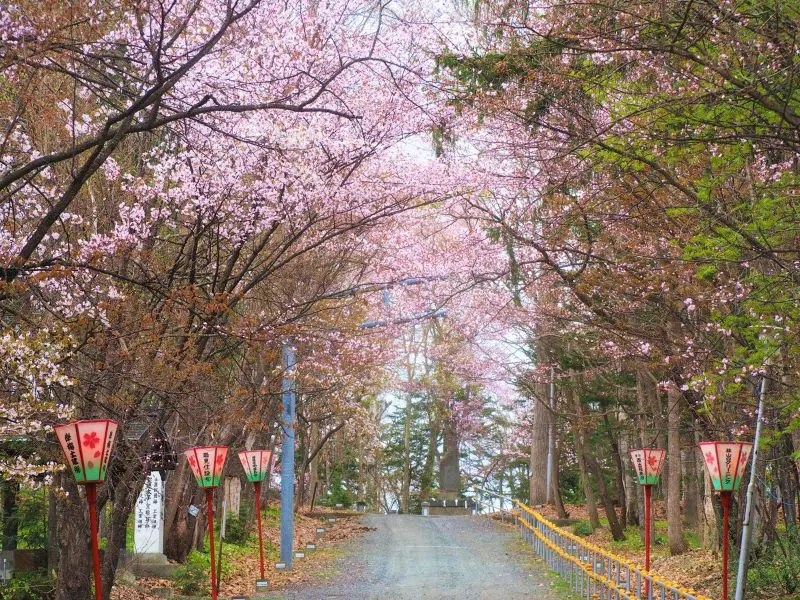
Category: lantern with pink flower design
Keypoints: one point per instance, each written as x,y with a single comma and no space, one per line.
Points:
726,463
87,446
648,463
207,463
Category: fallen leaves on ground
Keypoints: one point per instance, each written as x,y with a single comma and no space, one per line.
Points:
246,562
695,569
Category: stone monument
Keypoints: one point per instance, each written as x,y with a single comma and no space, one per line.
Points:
148,559
148,536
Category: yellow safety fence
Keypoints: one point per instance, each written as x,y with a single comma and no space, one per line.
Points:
660,587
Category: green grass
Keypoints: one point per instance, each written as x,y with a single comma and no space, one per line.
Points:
633,540
519,548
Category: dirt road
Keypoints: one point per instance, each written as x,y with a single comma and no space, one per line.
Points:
413,557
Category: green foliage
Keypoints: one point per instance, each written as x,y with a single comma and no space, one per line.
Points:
583,528
570,486
29,514
393,448
779,565
192,578
271,516
36,585
343,477
236,529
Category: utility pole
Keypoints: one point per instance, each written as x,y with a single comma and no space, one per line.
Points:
551,436
288,393
747,529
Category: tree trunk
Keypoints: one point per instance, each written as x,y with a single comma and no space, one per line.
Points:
303,449
556,491
405,491
540,432
619,472
613,522
788,481
427,477
631,496
74,563
10,491
126,488
179,525
710,521
580,451
313,465
52,523
691,492
677,543
759,525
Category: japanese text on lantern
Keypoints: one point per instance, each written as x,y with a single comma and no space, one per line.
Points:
728,465
108,448
76,467
206,467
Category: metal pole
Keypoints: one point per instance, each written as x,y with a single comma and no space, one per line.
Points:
550,438
747,531
91,498
287,455
647,534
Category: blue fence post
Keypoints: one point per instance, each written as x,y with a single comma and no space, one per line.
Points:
288,392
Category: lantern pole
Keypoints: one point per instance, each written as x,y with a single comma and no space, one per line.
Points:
91,499
257,486
647,533
725,499
210,505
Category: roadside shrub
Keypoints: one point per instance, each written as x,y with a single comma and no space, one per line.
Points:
779,565
236,530
191,578
583,528
35,585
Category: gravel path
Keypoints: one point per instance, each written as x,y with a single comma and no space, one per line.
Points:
420,558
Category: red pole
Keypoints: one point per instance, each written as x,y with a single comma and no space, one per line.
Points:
91,498
210,504
725,499
647,534
260,535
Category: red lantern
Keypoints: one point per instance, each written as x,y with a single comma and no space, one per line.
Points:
87,446
207,463
726,463
256,465
648,463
